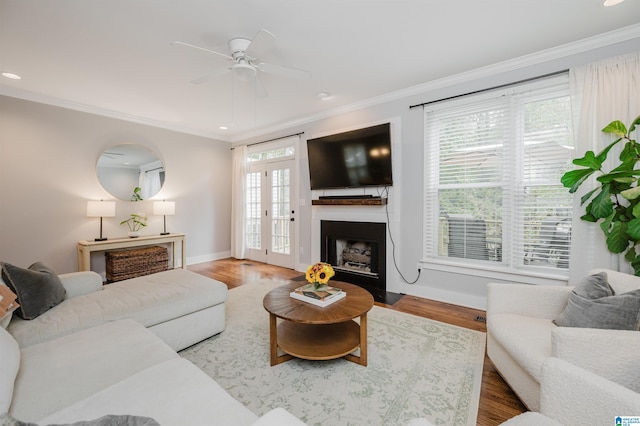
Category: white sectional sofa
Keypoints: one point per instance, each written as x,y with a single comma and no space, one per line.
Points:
117,368
571,395
180,306
111,351
521,336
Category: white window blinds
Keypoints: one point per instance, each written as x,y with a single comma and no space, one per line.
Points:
492,177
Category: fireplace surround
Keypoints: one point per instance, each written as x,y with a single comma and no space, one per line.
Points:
357,252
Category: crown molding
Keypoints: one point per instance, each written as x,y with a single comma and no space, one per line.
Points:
581,46
104,112
551,54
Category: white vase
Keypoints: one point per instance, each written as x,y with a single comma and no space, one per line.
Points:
134,234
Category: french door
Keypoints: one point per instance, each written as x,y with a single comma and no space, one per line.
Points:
269,221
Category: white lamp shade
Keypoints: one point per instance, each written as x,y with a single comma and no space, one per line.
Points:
101,208
164,208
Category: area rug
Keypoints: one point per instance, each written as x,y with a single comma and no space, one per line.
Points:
417,368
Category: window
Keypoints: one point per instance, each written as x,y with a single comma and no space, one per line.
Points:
270,154
492,179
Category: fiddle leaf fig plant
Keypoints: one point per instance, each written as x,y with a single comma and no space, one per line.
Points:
615,202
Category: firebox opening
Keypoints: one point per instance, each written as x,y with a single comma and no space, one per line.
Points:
355,256
357,252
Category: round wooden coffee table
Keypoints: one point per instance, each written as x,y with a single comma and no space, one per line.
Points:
318,333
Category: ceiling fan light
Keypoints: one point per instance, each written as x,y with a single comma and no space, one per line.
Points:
11,76
244,72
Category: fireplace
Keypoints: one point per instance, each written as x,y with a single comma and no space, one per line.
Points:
357,252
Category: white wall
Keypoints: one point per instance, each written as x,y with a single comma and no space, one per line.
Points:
47,173
406,209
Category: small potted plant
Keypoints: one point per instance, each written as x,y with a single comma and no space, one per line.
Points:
135,222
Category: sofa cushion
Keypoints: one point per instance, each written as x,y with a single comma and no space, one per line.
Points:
149,300
526,339
38,288
593,304
58,373
10,364
174,392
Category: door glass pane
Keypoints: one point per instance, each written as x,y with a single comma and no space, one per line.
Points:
280,211
254,211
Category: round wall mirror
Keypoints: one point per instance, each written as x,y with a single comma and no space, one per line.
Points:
130,172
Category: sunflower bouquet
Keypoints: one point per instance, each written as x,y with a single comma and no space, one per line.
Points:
319,274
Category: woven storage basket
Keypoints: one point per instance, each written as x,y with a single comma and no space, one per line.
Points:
125,264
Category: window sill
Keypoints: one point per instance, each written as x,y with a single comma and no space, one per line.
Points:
526,276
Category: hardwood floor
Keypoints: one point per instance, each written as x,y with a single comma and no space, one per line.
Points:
497,402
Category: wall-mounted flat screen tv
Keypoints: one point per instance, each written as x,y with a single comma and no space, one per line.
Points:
353,159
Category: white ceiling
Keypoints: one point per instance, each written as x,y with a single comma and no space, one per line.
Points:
114,57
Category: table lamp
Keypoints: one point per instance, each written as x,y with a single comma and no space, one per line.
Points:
101,209
164,208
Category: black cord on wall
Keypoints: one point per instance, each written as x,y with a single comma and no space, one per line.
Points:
385,193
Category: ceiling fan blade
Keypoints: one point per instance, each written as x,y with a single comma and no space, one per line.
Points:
180,43
285,71
261,92
261,43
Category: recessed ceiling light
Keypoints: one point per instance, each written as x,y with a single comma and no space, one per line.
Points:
323,95
609,3
223,128
11,75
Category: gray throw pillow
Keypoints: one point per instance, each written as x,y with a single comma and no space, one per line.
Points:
594,286
108,420
593,304
38,288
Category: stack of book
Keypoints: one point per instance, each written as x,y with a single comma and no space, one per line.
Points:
324,296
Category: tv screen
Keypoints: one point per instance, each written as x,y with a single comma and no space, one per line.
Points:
352,159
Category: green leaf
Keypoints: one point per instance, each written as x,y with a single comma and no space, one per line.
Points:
588,195
635,263
618,240
633,229
602,206
602,155
629,153
630,255
624,180
635,123
574,178
631,193
618,176
616,127
636,210
589,160
606,225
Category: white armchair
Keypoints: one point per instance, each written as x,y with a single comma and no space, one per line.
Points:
521,337
571,395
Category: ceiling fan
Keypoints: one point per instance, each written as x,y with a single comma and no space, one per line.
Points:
245,54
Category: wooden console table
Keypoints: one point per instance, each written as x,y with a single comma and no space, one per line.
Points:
85,248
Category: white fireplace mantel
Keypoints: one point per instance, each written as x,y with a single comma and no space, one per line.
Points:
356,214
